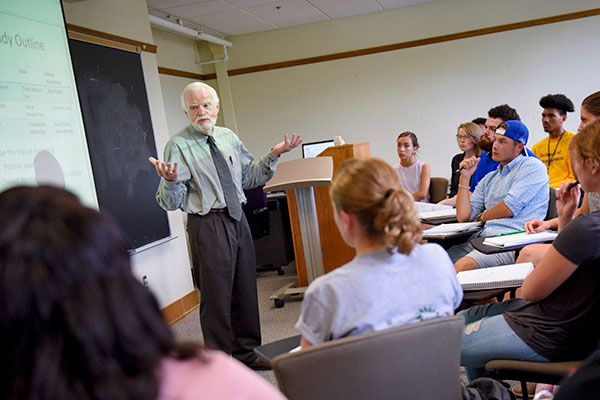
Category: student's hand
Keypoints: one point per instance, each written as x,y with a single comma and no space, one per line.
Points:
567,200
468,166
536,225
166,171
287,144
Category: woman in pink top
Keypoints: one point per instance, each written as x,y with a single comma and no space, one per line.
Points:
76,324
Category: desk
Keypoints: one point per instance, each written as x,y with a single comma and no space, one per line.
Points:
449,240
271,350
439,220
486,249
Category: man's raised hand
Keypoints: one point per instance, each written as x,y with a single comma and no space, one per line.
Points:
165,170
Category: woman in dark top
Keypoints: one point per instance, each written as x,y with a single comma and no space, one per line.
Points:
467,136
557,318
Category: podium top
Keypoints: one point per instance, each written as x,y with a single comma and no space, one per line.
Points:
301,173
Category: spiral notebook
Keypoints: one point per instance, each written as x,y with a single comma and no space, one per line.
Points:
504,276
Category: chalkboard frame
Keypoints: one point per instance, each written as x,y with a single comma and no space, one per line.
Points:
116,116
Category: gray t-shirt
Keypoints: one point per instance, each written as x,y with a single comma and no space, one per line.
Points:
378,290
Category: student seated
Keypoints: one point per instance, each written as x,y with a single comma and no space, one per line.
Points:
557,318
590,112
393,280
415,175
467,136
515,192
76,324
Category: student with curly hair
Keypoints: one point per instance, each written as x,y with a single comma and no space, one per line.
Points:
76,324
554,150
393,280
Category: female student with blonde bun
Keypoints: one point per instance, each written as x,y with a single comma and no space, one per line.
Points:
393,280
590,112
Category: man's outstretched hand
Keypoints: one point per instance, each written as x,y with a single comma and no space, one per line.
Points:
287,144
165,170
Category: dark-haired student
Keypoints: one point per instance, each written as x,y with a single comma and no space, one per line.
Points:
76,324
557,318
554,150
590,112
393,280
516,192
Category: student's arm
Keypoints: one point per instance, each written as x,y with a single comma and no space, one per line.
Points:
425,182
538,225
451,201
304,343
463,196
549,274
500,210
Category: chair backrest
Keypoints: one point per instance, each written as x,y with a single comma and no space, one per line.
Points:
438,189
415,361
256,212
551,205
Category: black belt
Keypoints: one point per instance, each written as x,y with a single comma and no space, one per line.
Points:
218,210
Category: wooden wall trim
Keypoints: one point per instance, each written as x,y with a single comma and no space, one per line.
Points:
180,308
142,46
417,43
399,46
185,74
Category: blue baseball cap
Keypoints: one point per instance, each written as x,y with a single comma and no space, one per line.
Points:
516,130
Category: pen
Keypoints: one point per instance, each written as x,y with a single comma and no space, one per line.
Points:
460,169
510,233
572,185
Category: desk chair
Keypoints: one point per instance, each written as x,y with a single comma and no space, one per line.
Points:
529,371
551,213
415,361
438,189
257,214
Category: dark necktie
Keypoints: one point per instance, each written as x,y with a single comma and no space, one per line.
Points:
229,191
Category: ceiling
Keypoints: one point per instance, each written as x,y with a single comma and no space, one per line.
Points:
237,17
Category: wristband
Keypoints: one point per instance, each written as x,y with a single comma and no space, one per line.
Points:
464,187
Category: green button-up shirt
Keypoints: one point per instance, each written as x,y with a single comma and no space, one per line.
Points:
197,188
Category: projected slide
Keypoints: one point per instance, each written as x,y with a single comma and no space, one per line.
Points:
42,140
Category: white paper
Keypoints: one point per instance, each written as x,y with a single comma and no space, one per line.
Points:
511,275
426,207
520,239
451,212
445,229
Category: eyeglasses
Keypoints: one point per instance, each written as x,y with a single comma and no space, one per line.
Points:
461,137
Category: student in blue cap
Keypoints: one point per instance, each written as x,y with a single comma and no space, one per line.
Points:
504,199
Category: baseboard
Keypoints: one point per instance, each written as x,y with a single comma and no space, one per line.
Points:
180,308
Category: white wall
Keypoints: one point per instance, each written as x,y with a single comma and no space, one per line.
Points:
166,266
429,89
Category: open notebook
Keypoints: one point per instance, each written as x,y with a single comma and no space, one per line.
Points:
520,239
504,276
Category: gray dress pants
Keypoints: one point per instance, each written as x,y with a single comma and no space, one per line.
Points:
224,266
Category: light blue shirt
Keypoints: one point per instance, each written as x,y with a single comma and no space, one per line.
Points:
198,188
522,184
379,290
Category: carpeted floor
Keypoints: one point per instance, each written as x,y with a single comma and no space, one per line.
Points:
276,323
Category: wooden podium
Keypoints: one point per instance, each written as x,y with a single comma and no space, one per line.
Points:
313,259
335,251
